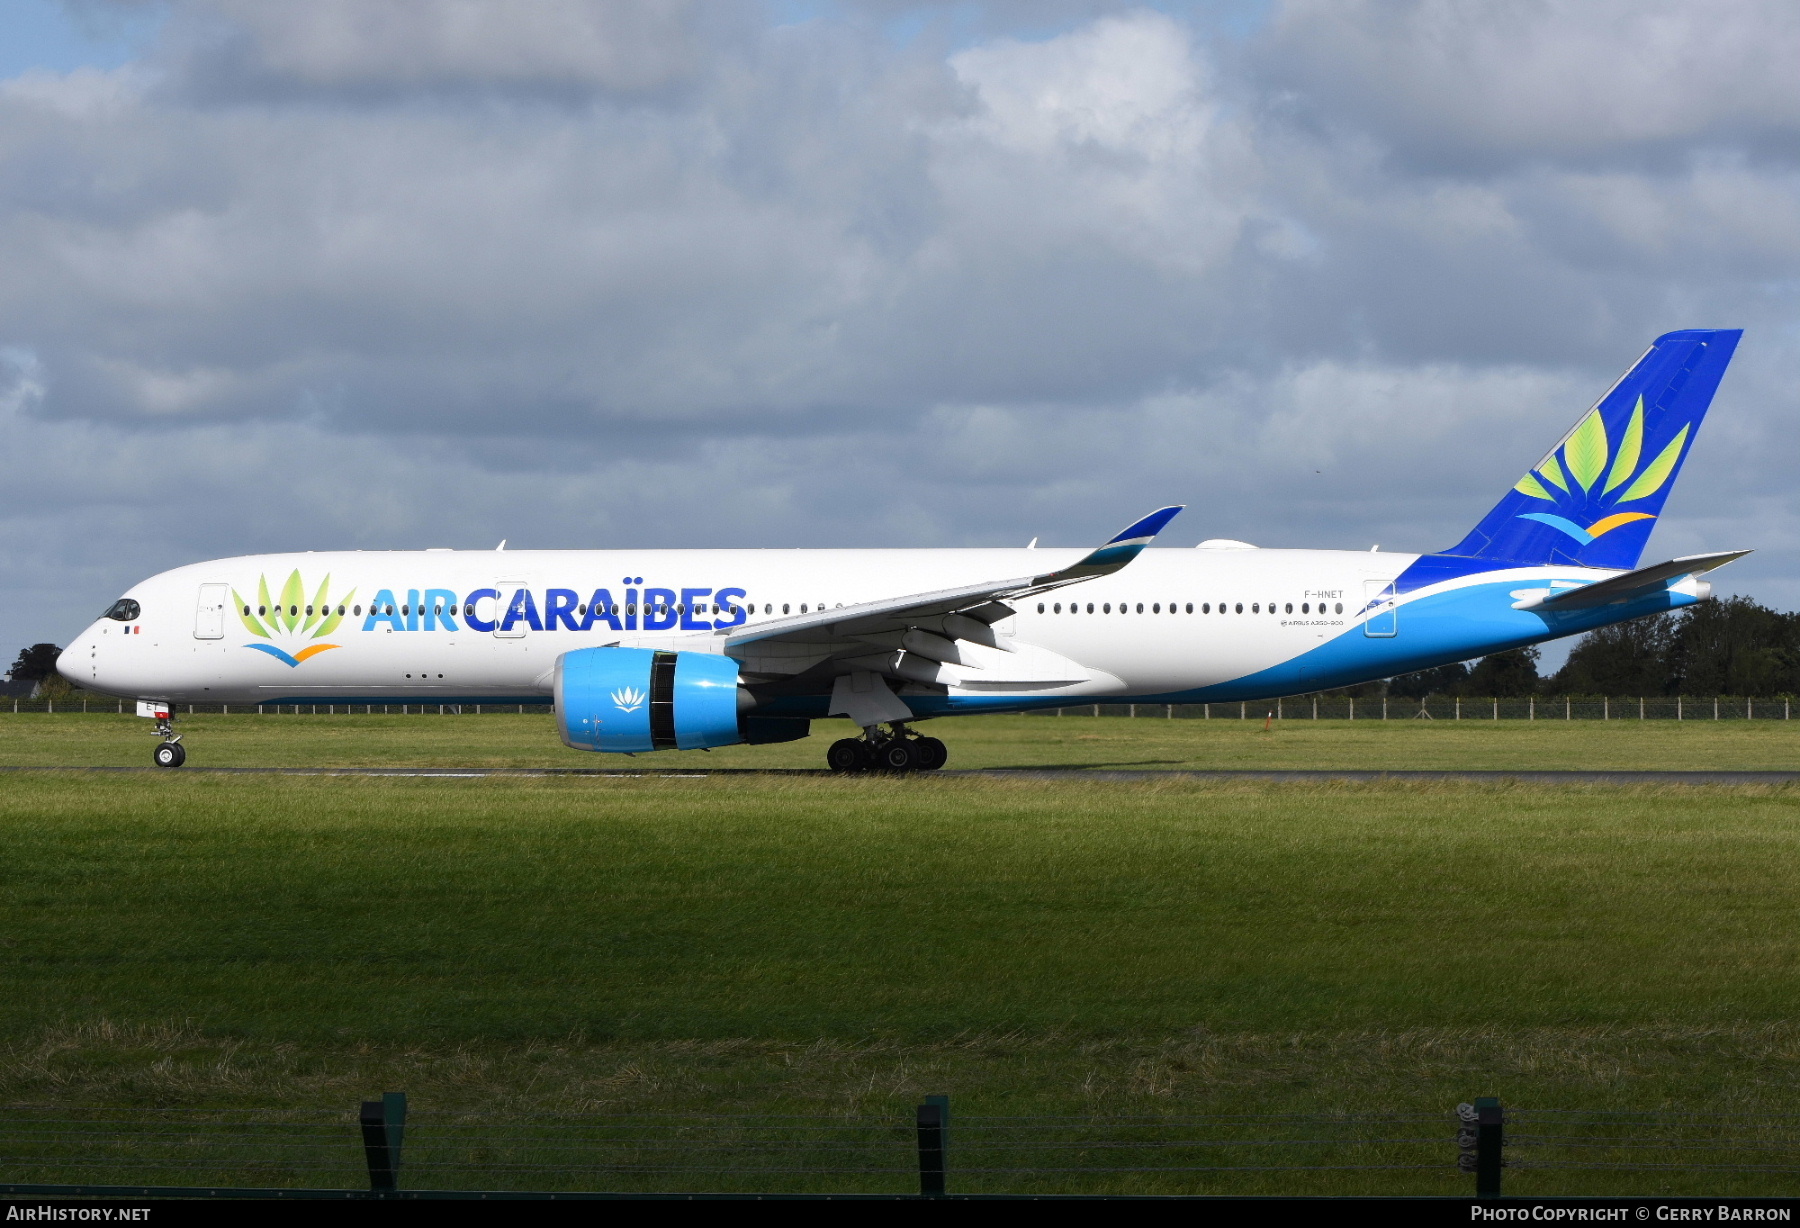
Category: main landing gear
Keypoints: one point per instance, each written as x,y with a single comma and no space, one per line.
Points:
899,750
171,754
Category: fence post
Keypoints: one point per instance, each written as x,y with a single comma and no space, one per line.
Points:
1490,1121
1480,1138
383,1130
934,1130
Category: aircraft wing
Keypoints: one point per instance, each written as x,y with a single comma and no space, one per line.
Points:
1632,582
970,608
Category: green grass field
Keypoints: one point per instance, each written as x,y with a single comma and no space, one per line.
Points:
805,944
508,740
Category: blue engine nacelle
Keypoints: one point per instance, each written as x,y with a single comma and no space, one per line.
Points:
639,699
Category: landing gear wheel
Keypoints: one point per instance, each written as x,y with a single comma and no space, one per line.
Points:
898,755
170,755
932,754
846,755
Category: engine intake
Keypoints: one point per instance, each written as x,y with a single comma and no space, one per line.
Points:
638,699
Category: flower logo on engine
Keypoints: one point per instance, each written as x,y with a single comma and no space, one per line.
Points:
626,699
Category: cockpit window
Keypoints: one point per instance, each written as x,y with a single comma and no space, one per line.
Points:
125,610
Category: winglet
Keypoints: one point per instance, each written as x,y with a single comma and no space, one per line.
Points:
1116,553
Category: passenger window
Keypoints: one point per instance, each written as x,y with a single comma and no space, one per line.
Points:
1340,607
1059,607
1157,608
803,607
261,611
784,607
1255,608
1240,607
1190,607
1040,607
1140,609
1290,608
357,609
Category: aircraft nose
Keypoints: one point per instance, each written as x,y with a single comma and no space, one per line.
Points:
68,661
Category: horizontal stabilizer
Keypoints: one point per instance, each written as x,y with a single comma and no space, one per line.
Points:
1632,582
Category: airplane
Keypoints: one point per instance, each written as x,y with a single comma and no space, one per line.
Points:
646,650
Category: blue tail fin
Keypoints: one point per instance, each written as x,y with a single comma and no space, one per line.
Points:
1593,501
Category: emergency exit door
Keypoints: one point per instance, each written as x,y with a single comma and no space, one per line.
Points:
510,609
209,615
1384,617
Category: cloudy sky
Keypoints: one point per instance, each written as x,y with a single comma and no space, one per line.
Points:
371,274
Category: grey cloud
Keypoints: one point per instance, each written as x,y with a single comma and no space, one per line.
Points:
1461,86
344,49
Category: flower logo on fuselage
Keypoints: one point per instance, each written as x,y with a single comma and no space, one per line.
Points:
292,618
1578,479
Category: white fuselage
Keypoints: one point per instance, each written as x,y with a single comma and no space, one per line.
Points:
1174,624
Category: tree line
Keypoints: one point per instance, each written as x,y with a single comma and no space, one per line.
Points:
1731,646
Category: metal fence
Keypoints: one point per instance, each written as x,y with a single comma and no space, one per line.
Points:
382,1151
1439,708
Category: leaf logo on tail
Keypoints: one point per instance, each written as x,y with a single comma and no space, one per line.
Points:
292,619
1579,477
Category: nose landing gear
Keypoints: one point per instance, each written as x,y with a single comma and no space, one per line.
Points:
171,754
899,750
